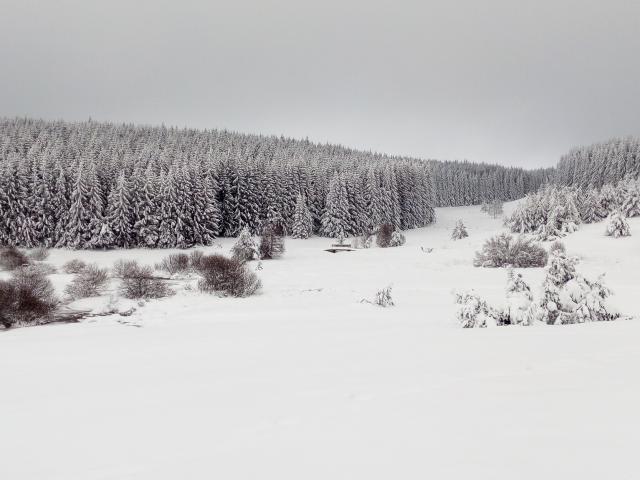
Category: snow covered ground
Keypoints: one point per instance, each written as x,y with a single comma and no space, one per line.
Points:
306,382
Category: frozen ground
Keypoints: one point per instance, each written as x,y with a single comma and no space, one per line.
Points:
305,382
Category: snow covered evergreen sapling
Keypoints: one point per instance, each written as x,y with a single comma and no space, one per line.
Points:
459,231
397,239
519,299
568,297
245,248
383,298
617,225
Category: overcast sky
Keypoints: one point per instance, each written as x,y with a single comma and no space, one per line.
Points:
506,81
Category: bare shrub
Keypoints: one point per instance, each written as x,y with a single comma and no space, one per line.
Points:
503,251
383,237
45,268
124,268
90,282
557,246
195,258
26,299
39,254
12,258
271,242
74,266
364,241
138,281
229,276
176,263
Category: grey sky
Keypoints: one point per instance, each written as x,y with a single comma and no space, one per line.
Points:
512,82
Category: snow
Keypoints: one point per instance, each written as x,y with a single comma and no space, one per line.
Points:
305,381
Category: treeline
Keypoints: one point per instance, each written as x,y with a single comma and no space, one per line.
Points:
98,185
600,164
466,183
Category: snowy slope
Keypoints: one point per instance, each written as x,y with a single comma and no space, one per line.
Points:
304,381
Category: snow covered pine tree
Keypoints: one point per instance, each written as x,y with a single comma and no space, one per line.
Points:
617,225
459,231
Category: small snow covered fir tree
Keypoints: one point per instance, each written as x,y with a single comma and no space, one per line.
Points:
302,221
560,271
383,298
617,225
519,299
459,231
568,297
397,239
245,248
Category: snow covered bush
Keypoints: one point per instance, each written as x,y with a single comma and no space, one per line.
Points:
12,258
503,251
617,226
397,239
271,242
27,298
74,266
39,254
383,237
138,281
228,276
245,248
383,298
90,282
175,264
459,231
473,312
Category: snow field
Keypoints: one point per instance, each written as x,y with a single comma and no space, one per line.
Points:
304,381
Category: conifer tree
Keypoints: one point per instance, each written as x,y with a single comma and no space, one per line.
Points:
302,221
459,231
617,225
631,204
119,214
335,221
